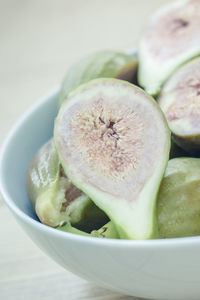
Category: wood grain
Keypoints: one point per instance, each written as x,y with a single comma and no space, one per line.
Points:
39,40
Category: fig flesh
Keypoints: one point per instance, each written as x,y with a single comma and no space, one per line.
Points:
113,143
106,63
179,199
180,101
55,199
172,38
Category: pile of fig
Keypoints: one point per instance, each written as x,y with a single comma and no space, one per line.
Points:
123,160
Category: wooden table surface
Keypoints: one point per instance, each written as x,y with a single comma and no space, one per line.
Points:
38,41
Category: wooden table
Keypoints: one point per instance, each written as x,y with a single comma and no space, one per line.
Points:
39,40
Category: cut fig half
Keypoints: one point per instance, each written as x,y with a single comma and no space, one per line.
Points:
55,199
113,143
180,102
172,38
104,63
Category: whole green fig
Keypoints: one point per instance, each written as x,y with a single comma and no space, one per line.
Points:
105,63
178,205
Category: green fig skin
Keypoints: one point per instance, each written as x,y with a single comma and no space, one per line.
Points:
43,171
69,228
105,63
124,213
178,203
54,198
107,231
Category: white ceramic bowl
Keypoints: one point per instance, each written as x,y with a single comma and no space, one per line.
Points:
157,269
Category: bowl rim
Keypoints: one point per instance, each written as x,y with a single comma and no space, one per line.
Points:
151,243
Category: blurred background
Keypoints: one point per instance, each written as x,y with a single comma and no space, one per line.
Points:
39,40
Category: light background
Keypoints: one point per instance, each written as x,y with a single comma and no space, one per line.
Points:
38,41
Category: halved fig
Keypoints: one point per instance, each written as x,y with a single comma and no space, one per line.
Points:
179,199
55,199
172,38
180,102
113,143
105,63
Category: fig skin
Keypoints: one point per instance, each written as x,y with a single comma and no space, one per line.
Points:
170,39
179,100
43,171
178,206
134,218
105,63
54,198
106,231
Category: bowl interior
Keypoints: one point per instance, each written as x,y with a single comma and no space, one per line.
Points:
27,136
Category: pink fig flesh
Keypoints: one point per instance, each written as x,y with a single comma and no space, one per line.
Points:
180,101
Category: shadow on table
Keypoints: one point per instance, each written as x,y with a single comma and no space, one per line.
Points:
95,292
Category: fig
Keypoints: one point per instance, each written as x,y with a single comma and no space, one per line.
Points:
172,38
113,143
55,199
105,63
106,231
180,101
178,206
